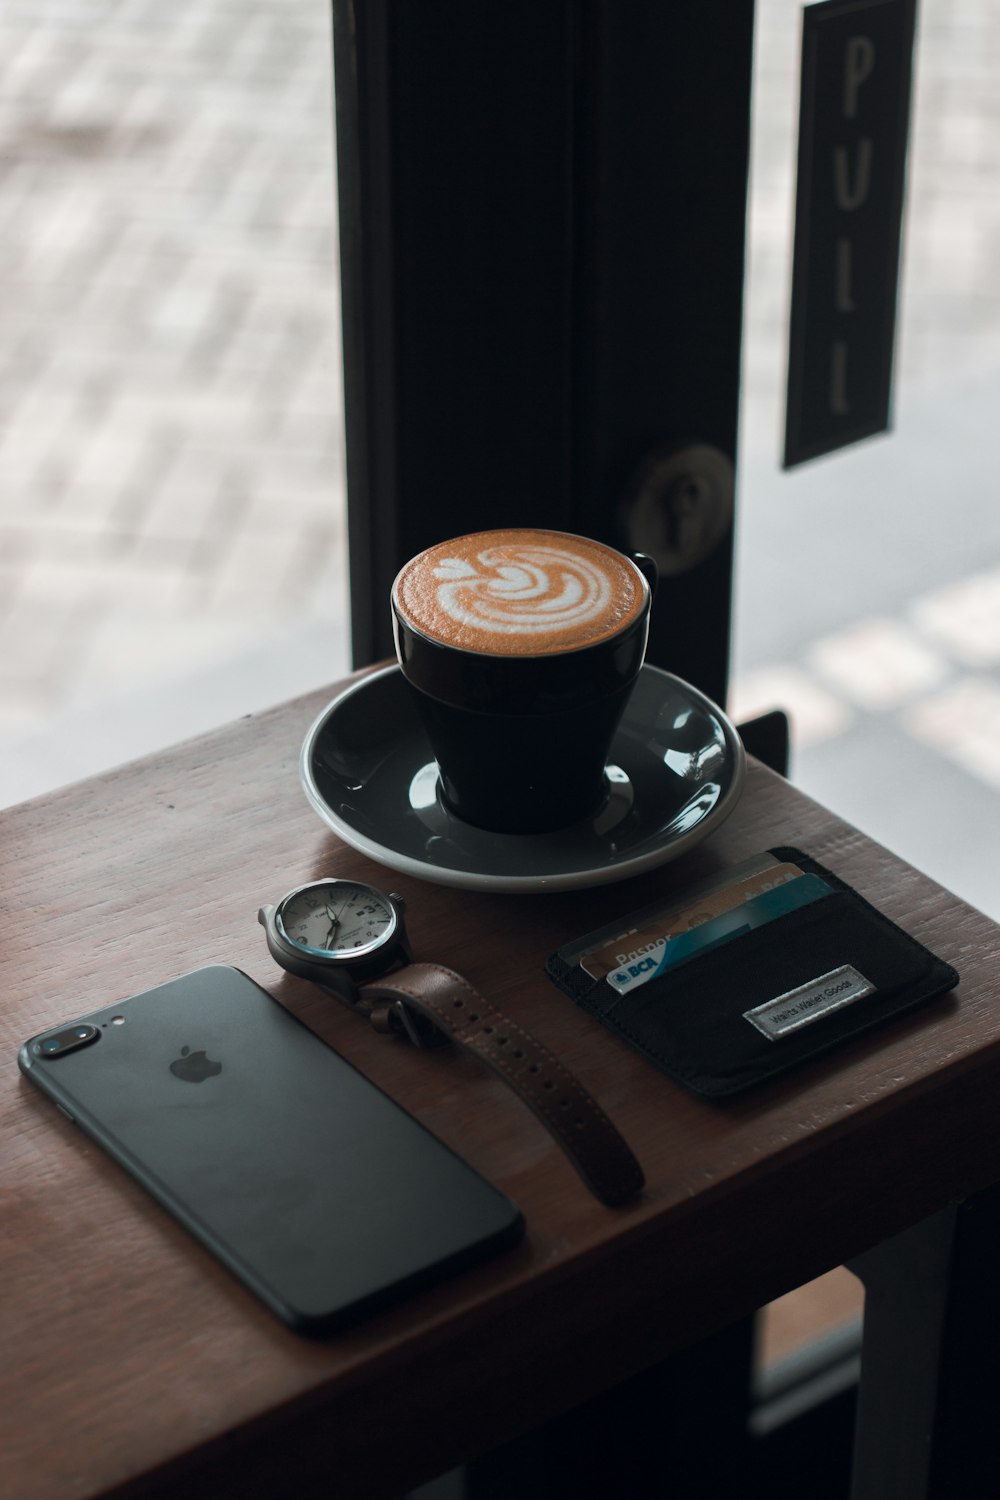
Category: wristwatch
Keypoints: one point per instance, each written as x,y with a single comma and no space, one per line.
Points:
337,933
350,939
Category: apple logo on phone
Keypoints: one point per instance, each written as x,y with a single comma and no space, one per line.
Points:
194,1067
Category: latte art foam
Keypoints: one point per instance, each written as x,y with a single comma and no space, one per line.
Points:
520,592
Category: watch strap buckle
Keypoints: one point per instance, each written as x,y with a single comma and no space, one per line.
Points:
396,1018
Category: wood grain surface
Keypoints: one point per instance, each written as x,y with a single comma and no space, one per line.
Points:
131,1363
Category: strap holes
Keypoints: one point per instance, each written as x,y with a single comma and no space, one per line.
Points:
518,1053
458,1004
534,1067
487,1030
473,1016
548,1084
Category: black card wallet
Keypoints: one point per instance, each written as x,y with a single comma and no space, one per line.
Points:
767,997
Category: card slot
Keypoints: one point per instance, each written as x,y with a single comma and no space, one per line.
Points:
761,887
787,953
735,950
601,999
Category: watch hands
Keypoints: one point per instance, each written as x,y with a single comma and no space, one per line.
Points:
336,936
334,924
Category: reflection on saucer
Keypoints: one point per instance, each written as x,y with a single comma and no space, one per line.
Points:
424,788
678,773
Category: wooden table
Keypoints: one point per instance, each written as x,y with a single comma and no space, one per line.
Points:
130,1361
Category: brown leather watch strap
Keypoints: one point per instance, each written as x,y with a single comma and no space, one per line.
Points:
560,1101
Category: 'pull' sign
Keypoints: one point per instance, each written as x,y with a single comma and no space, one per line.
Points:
853,125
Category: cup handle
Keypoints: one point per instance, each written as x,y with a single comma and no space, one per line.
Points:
647,567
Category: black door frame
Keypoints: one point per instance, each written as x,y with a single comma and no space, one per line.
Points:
542,225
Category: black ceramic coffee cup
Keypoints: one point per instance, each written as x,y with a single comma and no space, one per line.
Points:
521,724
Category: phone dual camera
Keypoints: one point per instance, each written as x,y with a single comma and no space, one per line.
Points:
67,1040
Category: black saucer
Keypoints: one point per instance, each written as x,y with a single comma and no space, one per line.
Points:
677,772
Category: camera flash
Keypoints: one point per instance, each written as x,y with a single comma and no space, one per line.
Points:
118,1020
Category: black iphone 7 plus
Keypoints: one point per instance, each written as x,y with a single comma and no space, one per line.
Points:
323,1195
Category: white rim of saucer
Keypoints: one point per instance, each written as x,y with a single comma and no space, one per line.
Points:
563,880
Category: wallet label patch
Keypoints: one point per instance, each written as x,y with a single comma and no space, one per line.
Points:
809,1002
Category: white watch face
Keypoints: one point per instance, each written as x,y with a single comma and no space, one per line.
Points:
337,918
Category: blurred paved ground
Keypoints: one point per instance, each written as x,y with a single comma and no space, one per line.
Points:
172,547
171,494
